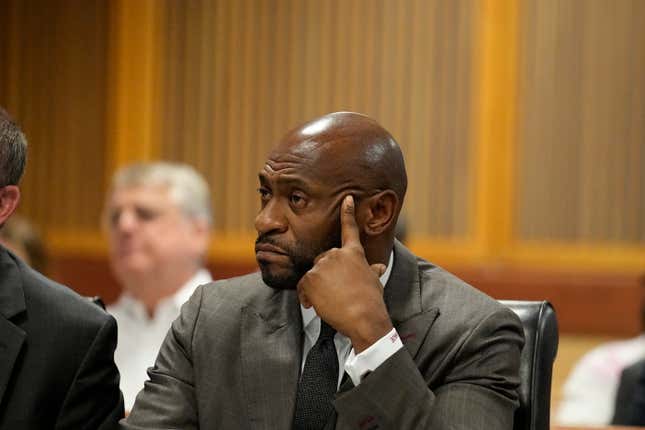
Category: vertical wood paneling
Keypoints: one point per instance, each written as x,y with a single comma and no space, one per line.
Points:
56,88
580,165
496,127
280,63
134,94
215,83
7,20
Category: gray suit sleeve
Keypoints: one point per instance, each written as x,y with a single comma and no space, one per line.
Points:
168,398
478,393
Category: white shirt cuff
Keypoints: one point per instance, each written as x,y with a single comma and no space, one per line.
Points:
357,366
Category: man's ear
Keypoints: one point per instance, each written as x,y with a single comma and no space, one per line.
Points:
9,198
380,212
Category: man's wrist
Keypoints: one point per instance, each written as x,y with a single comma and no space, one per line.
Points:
358,365
369,334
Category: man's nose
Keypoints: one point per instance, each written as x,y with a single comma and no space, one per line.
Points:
125,222
271,219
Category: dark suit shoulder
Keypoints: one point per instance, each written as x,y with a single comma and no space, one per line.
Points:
53,300
222,303
451,294
466,316
59,320
64,373
241,291
459,303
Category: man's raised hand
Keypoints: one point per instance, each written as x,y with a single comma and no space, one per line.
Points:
345,290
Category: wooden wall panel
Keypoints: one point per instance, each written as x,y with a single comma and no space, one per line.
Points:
239,74
7,10
582,300
54,84
582,122
232,76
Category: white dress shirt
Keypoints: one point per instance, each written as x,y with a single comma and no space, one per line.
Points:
589,393
140,336
356,365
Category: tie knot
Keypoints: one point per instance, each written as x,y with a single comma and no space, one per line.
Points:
326,331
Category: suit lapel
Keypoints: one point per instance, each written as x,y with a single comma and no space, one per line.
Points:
402,296
271,342
414,330
403,299
12,304
271,355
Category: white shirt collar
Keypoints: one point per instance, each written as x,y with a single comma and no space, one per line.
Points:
128,301
183,294
308,315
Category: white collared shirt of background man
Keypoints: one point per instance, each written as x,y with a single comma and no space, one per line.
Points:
140,336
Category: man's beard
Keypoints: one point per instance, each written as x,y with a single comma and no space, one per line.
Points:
301,255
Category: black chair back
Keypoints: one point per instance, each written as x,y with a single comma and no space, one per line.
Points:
541,335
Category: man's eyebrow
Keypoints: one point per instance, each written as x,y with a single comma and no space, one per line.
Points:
285,180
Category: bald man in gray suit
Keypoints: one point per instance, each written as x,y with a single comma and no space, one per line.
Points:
413,347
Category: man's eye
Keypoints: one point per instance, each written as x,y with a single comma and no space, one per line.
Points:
297,200
144,214
265,195
114,217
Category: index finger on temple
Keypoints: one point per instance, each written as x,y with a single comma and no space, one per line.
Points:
349,228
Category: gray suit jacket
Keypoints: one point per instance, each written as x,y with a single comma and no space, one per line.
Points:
56,355
232,360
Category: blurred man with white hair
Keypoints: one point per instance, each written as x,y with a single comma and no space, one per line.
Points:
158,217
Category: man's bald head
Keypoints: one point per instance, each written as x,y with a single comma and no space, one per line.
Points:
351,148
303,183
